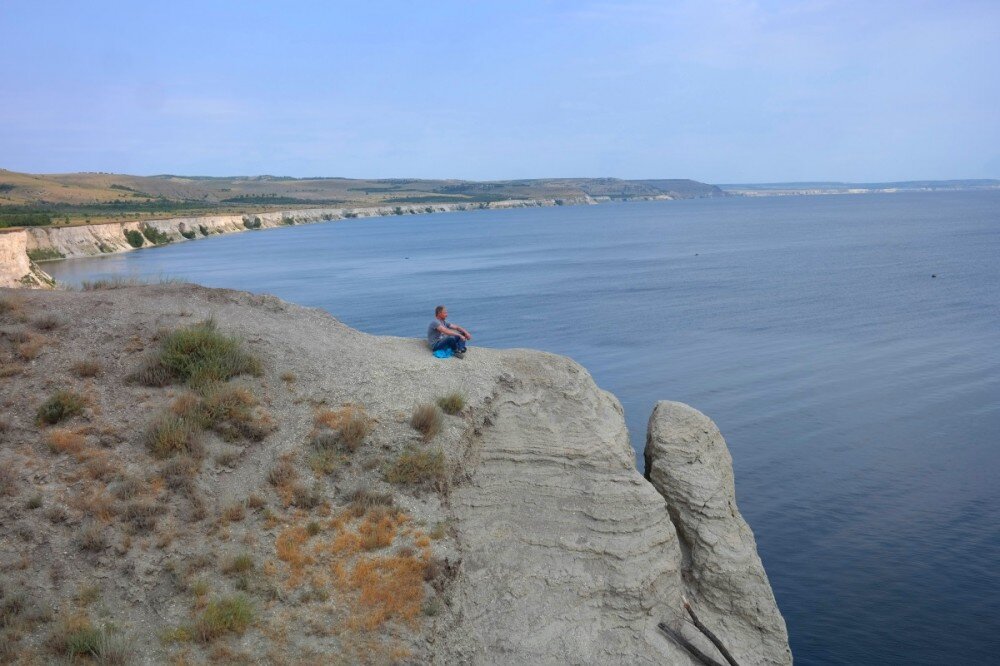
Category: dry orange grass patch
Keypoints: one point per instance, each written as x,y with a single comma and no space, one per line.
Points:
31,348
387,588
350,423
62,440
290,547
94,503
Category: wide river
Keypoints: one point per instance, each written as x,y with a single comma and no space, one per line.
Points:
859,394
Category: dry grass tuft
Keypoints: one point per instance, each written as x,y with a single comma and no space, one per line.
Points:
47,323
85,369
229,615
179,472
239,564
76,638
62,405
140,516
452,403
350,425
8,480
364,500
427,420
283,474
31,348
229,411
61,440
418,468
307,497
170,435
91,539
234,513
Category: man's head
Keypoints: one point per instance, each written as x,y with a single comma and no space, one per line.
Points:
441,312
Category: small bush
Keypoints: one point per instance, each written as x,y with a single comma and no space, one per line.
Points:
418,468
34,502
188,233
76,638
45,254
251,222
224,616
134,238
198,356
203,230
86,368
427,421
452,403
61,406
288,377
170,435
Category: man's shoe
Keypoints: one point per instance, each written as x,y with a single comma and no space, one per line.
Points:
458,354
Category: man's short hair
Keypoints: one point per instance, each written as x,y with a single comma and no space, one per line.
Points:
438,310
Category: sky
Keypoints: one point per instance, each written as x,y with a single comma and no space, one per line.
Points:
721,91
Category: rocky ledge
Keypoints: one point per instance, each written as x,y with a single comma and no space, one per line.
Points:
537,542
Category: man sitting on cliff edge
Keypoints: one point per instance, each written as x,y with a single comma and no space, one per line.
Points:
443,335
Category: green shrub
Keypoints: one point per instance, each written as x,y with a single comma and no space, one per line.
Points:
134,238
251,222
290,221
223,616
452,403
154,235
203,229
197,356
188,233
45,254
61,406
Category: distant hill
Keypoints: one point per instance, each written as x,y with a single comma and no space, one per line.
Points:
833,187
112,196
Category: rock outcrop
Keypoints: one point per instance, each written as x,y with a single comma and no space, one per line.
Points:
689,464
560,552
16,269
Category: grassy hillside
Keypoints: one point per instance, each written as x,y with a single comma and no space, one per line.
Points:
74,198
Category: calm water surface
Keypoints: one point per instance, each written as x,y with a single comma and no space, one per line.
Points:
860,396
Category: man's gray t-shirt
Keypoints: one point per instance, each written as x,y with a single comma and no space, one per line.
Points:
433,334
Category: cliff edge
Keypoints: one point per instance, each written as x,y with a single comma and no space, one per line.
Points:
515,530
